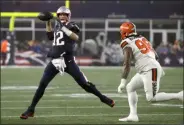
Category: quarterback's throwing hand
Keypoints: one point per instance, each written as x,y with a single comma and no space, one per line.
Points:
122,85
45,16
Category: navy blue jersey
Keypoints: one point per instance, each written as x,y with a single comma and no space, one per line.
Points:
61,42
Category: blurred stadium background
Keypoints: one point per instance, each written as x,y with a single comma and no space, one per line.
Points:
160,21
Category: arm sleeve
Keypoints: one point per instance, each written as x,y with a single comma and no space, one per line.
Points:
50,35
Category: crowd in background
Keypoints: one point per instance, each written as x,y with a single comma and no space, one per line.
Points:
108,52
176,48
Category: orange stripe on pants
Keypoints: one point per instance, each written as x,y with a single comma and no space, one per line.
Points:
154,74
154,81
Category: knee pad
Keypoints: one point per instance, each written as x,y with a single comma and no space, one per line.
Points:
129,88
88,87
90,84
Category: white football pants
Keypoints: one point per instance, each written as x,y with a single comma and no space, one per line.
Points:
150,80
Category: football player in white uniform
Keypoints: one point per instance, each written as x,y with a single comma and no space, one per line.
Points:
148,69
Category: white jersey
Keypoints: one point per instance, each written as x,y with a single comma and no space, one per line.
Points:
143,53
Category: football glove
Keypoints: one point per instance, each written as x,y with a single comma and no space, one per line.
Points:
45,16
60,65
122,85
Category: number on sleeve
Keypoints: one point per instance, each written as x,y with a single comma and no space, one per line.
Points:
143,45
58,39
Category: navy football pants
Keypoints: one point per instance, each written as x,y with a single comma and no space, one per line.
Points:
72,68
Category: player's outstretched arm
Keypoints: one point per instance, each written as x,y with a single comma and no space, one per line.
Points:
48,26
126,68
127,62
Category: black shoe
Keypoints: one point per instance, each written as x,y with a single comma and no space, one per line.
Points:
28,113
108,101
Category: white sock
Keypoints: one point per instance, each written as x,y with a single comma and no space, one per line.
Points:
132,100
162,96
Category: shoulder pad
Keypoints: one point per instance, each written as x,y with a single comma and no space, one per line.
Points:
57,26
74,27
123,43
72,23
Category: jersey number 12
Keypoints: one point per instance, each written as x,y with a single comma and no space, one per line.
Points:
58,36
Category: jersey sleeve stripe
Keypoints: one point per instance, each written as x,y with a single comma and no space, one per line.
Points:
123,44
154,81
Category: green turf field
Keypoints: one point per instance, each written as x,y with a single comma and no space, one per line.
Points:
65,102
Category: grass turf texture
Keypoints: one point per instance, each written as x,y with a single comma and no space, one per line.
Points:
65,102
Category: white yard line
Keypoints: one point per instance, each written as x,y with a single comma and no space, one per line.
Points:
22,101
22,87
68,89
64,100
94,115
68,107
56,100
167,105
90,107
72,95
82,67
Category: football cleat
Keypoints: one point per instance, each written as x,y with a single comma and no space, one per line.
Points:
180,95
130,118
108,101
27,113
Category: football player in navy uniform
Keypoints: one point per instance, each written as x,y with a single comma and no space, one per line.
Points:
64,36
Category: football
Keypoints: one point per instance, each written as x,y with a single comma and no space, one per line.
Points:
45,16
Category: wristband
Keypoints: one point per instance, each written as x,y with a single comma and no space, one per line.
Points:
66,30
123,80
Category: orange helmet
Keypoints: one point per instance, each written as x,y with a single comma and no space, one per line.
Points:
126,29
